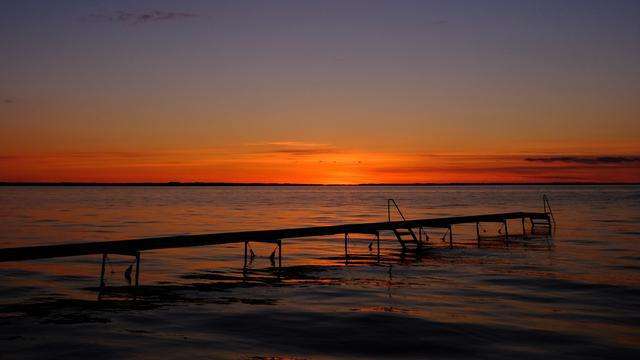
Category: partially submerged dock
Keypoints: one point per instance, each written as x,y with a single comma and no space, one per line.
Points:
408,232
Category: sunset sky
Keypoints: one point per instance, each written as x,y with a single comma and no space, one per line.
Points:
320,91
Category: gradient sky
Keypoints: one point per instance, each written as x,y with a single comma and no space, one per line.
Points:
320,91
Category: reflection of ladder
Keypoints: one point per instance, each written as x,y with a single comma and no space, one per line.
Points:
546,221
401,233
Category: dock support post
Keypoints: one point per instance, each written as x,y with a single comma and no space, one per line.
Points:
104,260
478,233
532,225
346,249
524,230
506,231
245,254
279,253
378,243
450,237
137,268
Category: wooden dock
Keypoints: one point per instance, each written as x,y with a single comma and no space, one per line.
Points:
406,232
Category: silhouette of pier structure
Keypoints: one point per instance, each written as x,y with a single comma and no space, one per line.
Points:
410,233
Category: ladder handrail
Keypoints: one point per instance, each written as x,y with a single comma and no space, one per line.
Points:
547,208
392,201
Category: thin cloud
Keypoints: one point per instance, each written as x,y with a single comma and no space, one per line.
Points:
81,156
135,18
305,151
110,154
8,101
586,160
461,169
293,148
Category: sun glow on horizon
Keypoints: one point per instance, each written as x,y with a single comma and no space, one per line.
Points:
316,163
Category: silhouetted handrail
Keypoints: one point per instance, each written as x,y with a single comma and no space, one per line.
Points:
547,208
392,201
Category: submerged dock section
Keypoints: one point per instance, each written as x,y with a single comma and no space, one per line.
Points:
408,232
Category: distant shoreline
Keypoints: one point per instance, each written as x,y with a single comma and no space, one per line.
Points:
186,184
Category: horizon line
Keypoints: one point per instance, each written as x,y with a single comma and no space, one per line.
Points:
214,183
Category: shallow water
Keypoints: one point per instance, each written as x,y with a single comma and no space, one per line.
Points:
575,295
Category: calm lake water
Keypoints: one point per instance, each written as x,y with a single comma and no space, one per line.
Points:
576,295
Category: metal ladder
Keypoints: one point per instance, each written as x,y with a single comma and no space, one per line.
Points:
399,233
549,220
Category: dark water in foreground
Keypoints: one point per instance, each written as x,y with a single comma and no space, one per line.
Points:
576,296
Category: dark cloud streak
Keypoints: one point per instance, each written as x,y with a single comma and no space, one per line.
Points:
587,160
304,151
135,18
293,148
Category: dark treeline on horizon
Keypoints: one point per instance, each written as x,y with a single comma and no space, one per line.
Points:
173,183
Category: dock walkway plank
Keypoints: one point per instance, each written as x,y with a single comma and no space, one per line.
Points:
133,246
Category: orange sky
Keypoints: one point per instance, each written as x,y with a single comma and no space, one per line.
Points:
298,162
326,92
